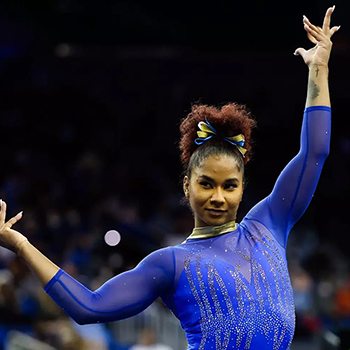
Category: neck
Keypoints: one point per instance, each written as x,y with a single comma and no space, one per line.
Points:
212,231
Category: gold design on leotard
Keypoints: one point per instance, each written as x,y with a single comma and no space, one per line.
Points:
212,231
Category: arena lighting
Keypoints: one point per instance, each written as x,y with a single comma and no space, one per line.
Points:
112,237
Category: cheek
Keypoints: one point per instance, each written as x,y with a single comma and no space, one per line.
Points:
235,200
198,198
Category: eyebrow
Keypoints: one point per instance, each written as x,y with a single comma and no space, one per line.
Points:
208,178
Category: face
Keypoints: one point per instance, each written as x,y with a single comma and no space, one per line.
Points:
215,191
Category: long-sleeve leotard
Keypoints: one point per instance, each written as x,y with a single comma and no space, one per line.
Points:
296,184
230,291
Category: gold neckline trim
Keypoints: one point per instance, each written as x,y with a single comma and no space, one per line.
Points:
212,231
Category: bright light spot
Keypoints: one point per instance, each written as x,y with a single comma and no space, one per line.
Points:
112,237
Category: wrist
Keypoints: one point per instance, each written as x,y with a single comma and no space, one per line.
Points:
21,246
321,67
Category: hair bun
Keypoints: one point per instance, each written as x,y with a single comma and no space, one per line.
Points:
229,120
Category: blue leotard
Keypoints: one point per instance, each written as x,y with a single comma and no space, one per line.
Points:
232,291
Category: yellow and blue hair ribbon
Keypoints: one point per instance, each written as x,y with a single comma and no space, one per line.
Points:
207,132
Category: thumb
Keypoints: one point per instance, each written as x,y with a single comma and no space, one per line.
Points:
300,51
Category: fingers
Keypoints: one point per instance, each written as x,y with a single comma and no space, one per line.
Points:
2,212
311,38
13,220
334,29
300,51
313,31
313,28
327,20
309,24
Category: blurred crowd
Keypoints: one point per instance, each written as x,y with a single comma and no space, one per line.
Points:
67,221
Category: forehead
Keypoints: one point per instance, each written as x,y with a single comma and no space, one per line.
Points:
218,167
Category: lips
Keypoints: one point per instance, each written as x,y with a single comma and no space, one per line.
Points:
216,211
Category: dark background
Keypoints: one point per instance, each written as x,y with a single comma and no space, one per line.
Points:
116,78
91,98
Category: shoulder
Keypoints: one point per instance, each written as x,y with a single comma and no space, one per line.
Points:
163,258
257,229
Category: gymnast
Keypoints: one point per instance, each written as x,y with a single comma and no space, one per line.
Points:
228,282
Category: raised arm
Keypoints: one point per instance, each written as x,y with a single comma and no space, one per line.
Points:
296,184
122,296
317,60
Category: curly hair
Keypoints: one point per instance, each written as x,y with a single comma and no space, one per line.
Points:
229,120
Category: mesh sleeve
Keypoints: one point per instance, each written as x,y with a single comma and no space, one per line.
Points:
297,183
122,296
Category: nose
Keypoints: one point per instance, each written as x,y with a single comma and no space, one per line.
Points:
217,197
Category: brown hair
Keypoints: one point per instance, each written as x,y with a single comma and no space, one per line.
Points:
229,120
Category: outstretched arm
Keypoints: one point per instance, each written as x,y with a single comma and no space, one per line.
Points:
297,183
122,296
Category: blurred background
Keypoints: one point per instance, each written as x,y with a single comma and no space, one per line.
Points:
92,95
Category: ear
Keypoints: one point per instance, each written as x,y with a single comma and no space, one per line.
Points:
186,185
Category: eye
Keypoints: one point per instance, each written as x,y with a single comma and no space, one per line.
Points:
231,186
205,184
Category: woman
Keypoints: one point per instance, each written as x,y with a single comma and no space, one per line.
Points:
228,283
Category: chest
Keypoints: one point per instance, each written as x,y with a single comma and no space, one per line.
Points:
244,279
236,288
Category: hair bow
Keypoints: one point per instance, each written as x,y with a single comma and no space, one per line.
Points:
207,132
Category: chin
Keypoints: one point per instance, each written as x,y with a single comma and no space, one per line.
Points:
216,221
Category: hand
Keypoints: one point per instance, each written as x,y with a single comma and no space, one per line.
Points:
9,238
319,54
